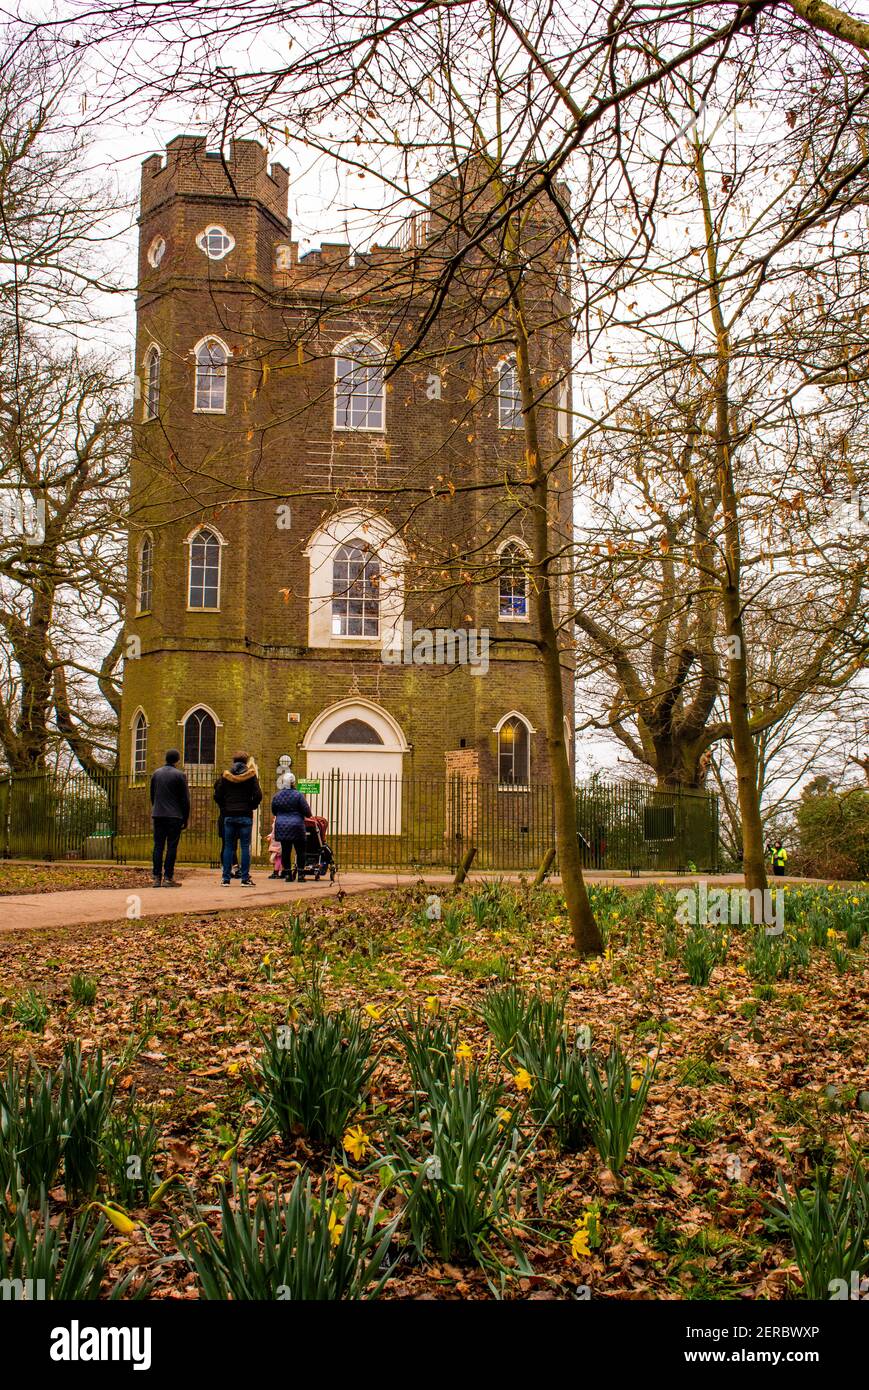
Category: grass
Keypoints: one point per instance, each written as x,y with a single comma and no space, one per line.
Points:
743,1070
57,878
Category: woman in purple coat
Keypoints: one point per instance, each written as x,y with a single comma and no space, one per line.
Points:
289,809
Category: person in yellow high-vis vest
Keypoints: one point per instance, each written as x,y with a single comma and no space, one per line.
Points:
778,859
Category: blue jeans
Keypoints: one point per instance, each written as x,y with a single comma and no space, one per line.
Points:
236,828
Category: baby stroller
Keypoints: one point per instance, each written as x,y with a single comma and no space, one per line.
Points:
319,858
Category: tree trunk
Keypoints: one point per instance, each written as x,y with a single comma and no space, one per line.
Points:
744,753
587,939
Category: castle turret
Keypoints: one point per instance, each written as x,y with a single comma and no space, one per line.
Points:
302,509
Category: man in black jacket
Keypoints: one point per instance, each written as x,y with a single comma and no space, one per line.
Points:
238,793
170,812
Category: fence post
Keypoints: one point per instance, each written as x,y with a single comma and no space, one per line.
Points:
545,866
5,811
462,871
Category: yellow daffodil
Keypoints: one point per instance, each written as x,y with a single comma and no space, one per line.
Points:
119,1218
463,1052
579,1246
504,1118
267,958
636,1083
356,1142
336,1228
343,1180
523,1079
831,934
855,901
159,1193
431,1004
374,1011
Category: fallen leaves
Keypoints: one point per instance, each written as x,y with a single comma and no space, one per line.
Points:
738,1078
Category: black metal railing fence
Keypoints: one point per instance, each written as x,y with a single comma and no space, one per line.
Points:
375,822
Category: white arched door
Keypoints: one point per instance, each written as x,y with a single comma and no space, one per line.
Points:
355,750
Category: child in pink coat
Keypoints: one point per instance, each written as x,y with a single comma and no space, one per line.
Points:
275,853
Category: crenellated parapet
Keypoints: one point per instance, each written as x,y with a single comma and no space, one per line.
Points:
191,169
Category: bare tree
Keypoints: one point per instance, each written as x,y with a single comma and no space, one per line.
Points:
708,428
62,425
63,442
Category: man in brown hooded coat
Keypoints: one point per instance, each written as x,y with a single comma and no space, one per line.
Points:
238,793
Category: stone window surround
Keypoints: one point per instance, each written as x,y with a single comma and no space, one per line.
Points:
513,714
355,523
518,542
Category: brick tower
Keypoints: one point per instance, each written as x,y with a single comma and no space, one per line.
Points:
296,518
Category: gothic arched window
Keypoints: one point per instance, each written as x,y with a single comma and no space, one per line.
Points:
140,745
146,574
359,389
513,581
514,752
203,589
509,397
152,382
200,739
355,591
210,393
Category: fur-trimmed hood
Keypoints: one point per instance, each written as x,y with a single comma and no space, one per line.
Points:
244,776
237,791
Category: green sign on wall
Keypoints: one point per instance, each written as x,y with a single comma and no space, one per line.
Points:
309,788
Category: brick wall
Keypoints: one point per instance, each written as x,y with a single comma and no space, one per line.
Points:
249,662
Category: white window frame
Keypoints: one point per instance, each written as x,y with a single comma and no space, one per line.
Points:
210,409
359,339
156,251
514,421
191,608
152,354
514,543
202,240
141,608
357,543
514,786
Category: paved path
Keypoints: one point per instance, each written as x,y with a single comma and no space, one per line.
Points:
201,892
